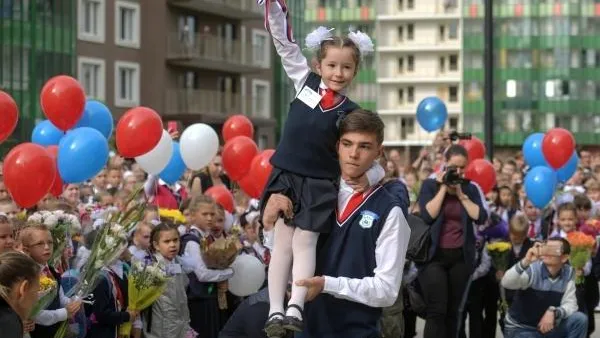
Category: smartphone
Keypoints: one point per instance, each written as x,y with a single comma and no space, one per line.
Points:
172,126
551,249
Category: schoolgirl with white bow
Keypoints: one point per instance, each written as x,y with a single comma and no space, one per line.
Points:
305,163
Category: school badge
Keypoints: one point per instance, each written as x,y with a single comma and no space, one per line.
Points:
367,218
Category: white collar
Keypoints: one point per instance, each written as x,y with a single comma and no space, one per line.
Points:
345,187
322,85
117,268
175,186
202,232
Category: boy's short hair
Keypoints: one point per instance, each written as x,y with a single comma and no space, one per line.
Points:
24,234
518,224
582,202
569,206
363,121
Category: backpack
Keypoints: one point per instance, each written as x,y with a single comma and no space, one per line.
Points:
419,241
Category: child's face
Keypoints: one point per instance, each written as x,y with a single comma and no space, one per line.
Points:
71,194
594,195
567,220
492,195
250,232
219,224
506,197
114,178
3,191
107,201
204,217
338,67
411,180
584,213
516,237
7,242
189,218
10,209
39,246
100,180
168,244
151,215
531,212
142,237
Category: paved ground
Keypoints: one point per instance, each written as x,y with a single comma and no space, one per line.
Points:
420,324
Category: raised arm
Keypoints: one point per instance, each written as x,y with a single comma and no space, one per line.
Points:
277,22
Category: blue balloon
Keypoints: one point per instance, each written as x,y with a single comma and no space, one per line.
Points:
46,134
532,151
175,168
540,184
82,153
568,170
96,115
432,113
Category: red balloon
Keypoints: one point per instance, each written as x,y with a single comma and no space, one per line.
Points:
9,115
237,125
222,196
482,172
29,172
57,186
254,182
474,147
237,156
138,132
558,146
249,185
63,101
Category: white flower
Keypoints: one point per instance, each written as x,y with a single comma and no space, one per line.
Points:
116,228
37,218
59,213
51,221
110,241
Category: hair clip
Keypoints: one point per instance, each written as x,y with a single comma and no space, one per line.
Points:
362,41
315,38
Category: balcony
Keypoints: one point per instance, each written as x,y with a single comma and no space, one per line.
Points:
421,78
233,9
215,53
207,105
422,12
393,45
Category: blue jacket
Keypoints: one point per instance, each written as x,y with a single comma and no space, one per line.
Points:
429,189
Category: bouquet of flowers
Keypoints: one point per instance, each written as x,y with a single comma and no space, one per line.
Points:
61,225
147,281
500,255
133,213
591,227
46,294
219,255
172,214
109,245
582,246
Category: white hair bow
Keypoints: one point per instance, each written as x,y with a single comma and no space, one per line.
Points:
362,41
315,38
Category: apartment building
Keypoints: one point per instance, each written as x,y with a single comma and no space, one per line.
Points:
418,55
191,60
36,43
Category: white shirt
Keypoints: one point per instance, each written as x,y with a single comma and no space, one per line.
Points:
138,253
204,274
51,317
382,289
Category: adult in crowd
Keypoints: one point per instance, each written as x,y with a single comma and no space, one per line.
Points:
544,303
358,264
19,284
450,206
211,176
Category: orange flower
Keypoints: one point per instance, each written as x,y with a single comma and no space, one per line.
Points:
594,224
580,240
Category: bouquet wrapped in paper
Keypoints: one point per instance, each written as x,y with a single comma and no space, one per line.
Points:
61,226
500,256
219,255
46,294
582,246
147,281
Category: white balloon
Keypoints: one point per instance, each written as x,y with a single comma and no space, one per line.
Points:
248,275
199,143
154,161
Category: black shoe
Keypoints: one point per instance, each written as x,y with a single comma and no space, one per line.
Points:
292,323
274,326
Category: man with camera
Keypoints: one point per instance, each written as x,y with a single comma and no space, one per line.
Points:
544,304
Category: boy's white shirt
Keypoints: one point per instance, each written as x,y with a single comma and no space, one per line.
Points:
51,317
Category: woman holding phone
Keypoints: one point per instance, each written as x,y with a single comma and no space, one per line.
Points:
212,175
450,205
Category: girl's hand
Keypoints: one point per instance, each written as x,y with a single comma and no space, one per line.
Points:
360,184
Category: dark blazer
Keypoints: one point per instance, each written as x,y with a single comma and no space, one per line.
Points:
10,323
429,189
106,319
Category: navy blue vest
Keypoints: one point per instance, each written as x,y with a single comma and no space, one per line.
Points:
196,289
307,147
41,331
529,305
350,252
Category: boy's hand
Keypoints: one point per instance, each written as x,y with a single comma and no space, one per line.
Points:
360,184
72,308
133,315
276,204
28,326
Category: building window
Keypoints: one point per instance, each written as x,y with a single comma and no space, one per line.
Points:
453,91
400,65
14,73
91,75
91,20
442,64
400,33
263,142
410,4
261,48
411,95
442,32
453,62
410,31
410,63
453,31
401,96
261,106
400,5
127,24
127,84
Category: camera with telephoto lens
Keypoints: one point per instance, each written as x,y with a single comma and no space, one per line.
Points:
452,177
455,136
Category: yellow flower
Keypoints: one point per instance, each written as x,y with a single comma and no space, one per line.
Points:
499,246
46,283
173,214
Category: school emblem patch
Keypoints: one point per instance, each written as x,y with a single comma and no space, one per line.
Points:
367,219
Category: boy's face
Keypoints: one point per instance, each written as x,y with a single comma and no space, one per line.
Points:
584,213
219,224
10,209
594,195
567,221
517,237
6,237
100,180
39,246
531,212
107,201
114,178
204,217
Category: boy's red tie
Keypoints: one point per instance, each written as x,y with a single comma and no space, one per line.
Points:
355,200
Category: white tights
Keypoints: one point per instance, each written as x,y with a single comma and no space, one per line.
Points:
291,245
